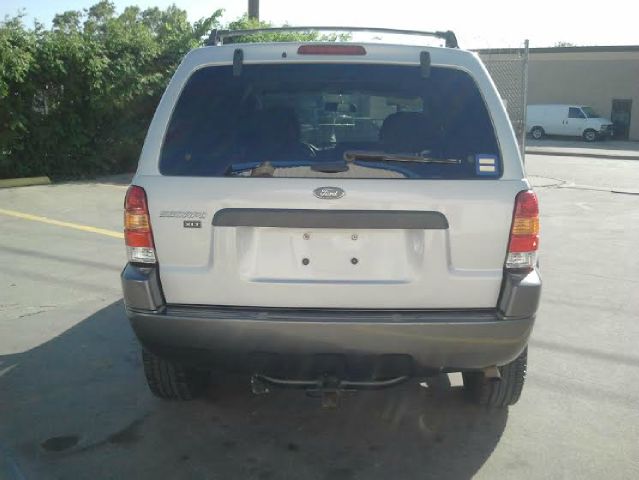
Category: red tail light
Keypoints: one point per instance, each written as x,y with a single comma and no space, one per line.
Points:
137,227
331,50
524,233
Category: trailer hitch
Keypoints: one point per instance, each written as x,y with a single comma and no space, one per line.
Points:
327,387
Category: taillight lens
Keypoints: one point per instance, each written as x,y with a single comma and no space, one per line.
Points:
524,233
137,227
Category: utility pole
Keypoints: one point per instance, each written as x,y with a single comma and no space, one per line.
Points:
254,9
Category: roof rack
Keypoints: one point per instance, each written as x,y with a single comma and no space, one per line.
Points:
217,37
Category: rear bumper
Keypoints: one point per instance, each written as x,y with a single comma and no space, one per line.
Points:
606,132
417,340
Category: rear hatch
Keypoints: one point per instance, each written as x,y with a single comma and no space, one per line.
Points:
336,185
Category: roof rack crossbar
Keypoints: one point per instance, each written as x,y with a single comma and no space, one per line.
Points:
217,37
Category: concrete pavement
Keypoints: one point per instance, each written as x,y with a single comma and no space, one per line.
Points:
610,149
73,403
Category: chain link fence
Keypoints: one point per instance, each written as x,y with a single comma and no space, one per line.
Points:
509,70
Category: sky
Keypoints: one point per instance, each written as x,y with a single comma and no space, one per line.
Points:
477,23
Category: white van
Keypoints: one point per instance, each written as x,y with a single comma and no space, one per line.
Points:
568,120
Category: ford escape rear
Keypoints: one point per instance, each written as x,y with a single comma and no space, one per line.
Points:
330,216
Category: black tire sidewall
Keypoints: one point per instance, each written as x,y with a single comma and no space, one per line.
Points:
537,129
172,381
499,394
587,133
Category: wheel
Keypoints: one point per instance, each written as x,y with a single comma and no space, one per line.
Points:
498,393
537,133
172,381
590,135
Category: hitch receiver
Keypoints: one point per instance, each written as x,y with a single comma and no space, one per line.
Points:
328,387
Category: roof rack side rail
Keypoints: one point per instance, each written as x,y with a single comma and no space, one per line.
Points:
217,37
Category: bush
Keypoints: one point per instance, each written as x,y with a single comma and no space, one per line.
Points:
76,99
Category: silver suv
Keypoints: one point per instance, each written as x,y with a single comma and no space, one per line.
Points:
332,216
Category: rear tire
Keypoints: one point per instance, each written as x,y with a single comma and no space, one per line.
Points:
498,393
537,133
171,381
590,135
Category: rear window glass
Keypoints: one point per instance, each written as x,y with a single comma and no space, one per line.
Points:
330,120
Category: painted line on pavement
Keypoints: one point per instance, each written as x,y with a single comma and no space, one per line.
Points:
58,223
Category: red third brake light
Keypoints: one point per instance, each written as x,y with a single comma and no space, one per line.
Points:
524,233
331,50
137,227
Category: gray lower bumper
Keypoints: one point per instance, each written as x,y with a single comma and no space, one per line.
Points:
465,339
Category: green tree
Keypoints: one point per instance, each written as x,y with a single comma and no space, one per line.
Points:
17,60
76,99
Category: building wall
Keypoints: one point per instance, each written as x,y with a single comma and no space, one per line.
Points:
588,78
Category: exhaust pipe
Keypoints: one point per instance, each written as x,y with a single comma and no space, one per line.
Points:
492,374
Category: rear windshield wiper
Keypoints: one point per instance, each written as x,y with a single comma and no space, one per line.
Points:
366,155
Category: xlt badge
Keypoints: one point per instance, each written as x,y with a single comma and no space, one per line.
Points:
192,224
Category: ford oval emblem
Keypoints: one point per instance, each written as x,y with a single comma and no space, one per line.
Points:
329,193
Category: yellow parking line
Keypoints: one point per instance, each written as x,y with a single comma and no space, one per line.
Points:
50,221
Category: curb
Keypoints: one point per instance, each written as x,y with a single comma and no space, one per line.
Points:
579,154
24,182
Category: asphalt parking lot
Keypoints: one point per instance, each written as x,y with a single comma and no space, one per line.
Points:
74,405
